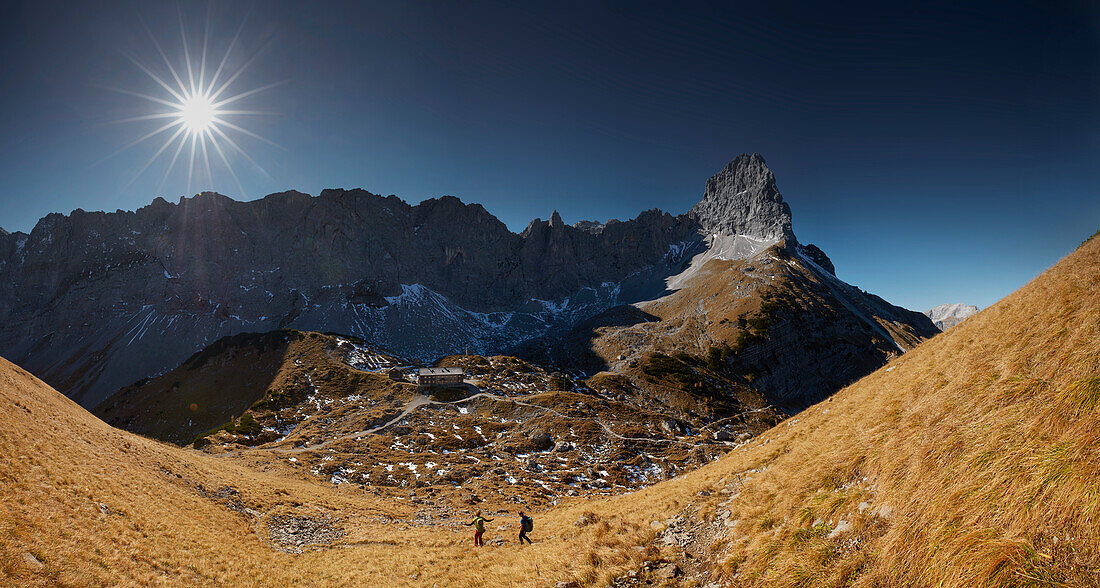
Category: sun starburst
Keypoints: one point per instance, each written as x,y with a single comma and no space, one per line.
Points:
197,113
195,108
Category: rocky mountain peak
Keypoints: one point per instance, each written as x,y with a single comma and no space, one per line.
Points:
589,226
946,316
742,199
206,197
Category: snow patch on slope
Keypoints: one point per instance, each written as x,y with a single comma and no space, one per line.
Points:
844,292
422,324
721,247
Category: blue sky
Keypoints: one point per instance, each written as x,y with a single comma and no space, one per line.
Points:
938,153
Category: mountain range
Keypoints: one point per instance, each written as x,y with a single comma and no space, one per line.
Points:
93,301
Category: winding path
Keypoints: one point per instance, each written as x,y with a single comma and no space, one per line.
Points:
419,400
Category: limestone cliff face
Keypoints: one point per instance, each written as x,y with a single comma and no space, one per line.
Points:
96,300
93,301
743,199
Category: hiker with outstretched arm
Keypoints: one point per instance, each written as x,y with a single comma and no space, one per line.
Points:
479,527
526,524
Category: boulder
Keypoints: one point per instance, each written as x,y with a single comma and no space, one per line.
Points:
541,440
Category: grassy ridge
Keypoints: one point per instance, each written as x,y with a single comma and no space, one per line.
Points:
973,460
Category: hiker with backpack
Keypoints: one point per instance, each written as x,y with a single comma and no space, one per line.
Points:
526,524
479,527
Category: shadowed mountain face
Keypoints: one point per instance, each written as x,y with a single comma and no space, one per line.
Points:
94,301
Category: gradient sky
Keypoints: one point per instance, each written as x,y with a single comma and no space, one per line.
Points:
940,152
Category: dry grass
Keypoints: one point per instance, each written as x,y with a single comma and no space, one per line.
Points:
99,506
976,455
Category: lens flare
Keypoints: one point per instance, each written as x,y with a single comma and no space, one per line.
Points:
196,113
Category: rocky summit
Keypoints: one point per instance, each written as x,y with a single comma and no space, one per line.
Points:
94,301
742,199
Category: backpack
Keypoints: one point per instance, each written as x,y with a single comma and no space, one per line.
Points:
528,524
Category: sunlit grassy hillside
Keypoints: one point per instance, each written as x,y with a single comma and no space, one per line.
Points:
84,504
973,460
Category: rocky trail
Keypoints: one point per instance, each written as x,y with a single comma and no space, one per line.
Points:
421,400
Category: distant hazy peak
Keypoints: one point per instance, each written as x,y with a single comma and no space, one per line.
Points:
742,199
946,316
957,309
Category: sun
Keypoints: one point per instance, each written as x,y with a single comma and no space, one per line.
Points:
197,113
199,109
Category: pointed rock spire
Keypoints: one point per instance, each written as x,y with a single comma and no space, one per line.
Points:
742,199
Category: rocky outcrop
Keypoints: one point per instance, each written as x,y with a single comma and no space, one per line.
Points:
815,254
946,316
743,199
589,226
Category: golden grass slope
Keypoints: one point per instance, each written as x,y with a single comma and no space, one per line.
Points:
973,460
83,504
